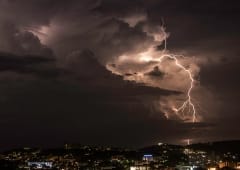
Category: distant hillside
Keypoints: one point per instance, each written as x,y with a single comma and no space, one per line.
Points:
220,146
156,149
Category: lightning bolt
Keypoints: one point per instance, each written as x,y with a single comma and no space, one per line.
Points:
188,103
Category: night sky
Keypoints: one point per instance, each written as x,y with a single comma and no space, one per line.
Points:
87,71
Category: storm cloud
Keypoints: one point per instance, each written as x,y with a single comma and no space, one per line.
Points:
73,70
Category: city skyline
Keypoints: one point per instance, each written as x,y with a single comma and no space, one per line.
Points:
120,73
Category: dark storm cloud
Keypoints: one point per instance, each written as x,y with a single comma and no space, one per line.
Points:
8,59
20,42
121,8
84,102
29,65
88,107
156,72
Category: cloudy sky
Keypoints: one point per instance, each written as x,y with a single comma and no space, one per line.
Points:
100,72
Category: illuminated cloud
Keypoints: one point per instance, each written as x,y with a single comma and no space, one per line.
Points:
133,20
